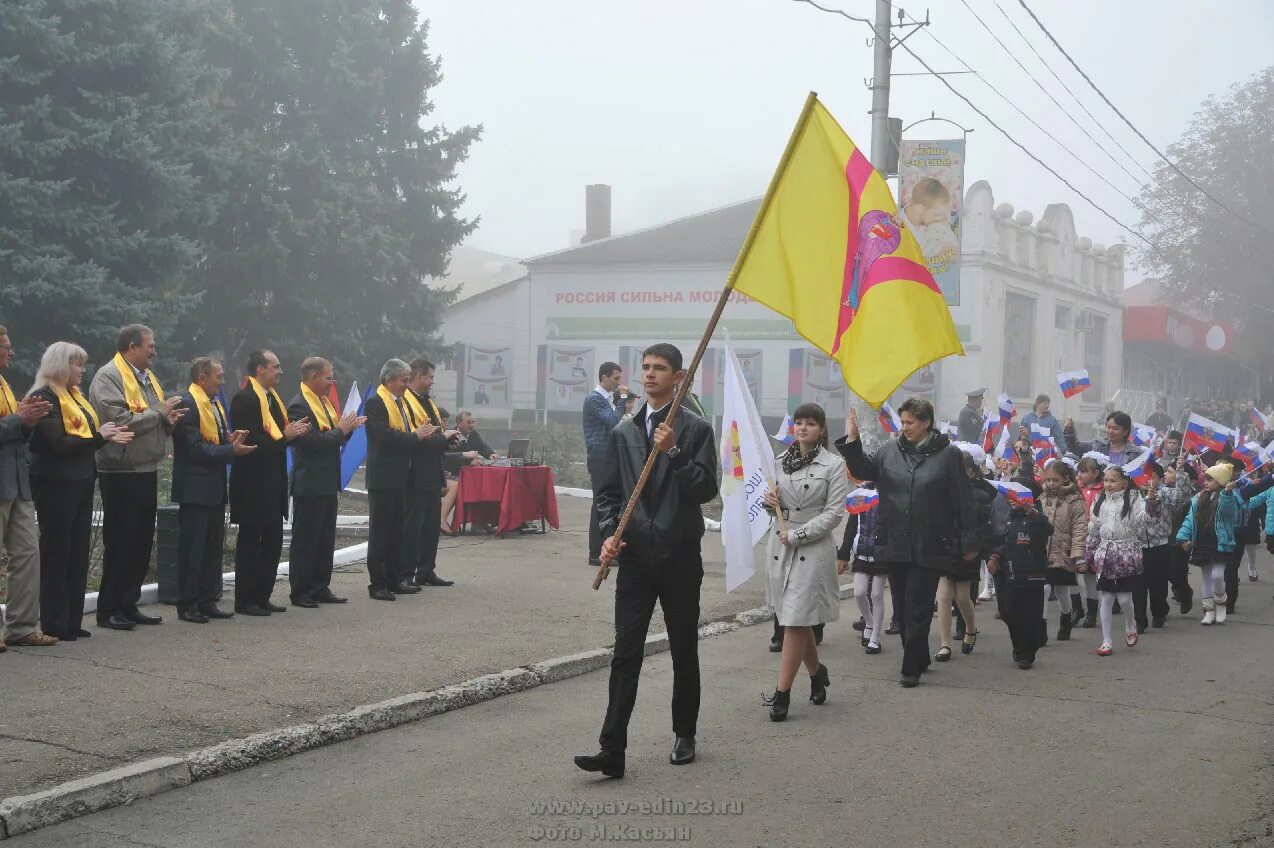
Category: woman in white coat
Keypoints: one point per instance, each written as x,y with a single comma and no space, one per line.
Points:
800,556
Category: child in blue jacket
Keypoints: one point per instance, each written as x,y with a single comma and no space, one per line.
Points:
1208,534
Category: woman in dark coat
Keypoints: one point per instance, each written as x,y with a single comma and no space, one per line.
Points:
63,470
928,515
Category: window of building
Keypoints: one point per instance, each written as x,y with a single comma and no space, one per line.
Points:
1095,355
1019,335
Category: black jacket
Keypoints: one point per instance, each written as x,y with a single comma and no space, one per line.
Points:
427,454
388,450
453,460
199,468
54,454
667,518
926,507
316,456
984,495
1023,551
258,480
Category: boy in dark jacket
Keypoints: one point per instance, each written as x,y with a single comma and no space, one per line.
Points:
1020,566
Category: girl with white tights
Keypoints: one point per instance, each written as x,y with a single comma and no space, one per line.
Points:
1208,534
1113,551
857,552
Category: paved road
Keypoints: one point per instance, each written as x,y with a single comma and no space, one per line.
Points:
1171,744
116,698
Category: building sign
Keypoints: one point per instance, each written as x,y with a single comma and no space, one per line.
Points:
1168,326
932,200
666,329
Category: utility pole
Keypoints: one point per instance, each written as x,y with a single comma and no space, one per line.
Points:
880,140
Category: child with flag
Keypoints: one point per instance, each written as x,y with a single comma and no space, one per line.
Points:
1208,535
1064,507
1116,529
857,554
1152,594
1020,566
1088,478
810,491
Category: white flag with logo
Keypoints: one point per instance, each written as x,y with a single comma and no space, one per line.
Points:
747,471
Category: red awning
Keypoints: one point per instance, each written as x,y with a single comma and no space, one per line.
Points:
1168,326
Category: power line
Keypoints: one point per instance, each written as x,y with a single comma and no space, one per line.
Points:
1001,129
1035,123
1139,133
1047,93
1069,91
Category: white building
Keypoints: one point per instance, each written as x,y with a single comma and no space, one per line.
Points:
1034,300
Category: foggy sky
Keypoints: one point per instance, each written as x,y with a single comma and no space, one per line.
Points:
685,105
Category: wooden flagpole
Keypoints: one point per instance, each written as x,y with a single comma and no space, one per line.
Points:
604,570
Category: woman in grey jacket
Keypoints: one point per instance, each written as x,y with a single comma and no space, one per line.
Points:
800,556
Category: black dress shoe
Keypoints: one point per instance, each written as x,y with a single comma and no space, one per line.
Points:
252,609
609,763
404,589
325,596
304,603
683,751
381,595
435,580
818,685
779,704
273,607
116,622
214,611
82,633
909,681
141,618
194,616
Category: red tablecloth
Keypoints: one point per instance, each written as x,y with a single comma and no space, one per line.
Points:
507,497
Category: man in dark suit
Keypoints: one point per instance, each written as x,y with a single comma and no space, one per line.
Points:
602,413
316,481
203,446
390,442
423,525
259,483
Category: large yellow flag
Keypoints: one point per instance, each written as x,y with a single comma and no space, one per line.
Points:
829,250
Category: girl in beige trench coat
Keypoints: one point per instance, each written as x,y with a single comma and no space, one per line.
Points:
800,554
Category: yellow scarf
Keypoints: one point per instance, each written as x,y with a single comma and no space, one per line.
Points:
391,406
271,426
419,411
133,389
208,428
74,406
322,404
8,403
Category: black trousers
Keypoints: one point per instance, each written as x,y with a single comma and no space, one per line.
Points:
201,541
256,560
1179,571
674,582
1152,592
594,529
1020,605
386,512
1232,573
313,543
129,501
916,588
64,509
422,525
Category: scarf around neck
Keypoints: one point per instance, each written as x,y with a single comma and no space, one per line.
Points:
317,406
133,394
396,421
793,460
8,403
78,417
209,430
267,420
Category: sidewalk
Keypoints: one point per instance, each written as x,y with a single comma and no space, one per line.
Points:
114,699
1165,746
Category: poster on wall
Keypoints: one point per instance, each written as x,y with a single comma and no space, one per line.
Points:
484,380
813,377
566,376
931,198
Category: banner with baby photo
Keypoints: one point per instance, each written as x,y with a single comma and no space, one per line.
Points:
932,200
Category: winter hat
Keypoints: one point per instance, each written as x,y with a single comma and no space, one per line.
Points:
1222,472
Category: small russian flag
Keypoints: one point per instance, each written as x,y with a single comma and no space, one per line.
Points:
786,433
1205,434
1015,492
1007,410
861,500
1004,447
1260,420
991,428
1142,435
889,419
1137,471
1073,382
1043,444
1252,455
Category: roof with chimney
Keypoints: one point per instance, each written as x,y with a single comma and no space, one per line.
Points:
704,238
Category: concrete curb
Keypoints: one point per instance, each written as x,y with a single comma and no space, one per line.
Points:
76,798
